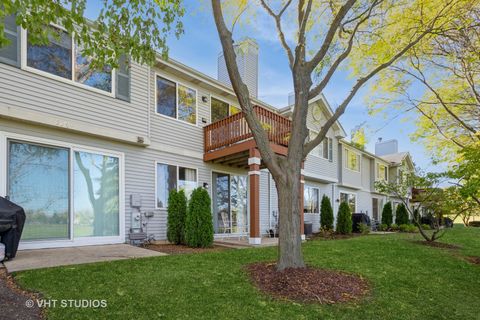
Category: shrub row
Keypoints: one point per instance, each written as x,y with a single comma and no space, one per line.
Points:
191,225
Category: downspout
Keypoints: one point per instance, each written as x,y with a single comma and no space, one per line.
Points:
269,204
149,91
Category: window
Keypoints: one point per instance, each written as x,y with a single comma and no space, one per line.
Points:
10,54
187,104
382,172
352,160
54,57
220,109
349,198
310,200
176,101
174,178
64,59
324,149
101,79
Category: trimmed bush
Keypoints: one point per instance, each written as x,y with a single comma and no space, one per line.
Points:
326,214
387,213
177,210
198,223
344,219
383,227
394,227
412,228
426,227
401,215
363,228
403,227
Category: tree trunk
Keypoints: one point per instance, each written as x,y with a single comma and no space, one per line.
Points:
289,238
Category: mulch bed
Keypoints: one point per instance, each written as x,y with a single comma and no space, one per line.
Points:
13,300
334,236
181,249
441,245
474,260
307,284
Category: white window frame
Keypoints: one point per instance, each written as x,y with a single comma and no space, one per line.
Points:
319,200
377,171
319,148
222,100
71,81
176,99
359,162
177,166
349,194
72,147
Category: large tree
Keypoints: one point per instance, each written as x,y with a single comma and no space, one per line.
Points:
368,36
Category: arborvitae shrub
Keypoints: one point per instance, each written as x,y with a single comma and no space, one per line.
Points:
177,210
387,214
344,219
401,215
326,214
198,223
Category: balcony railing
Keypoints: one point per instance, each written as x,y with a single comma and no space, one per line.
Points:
234,129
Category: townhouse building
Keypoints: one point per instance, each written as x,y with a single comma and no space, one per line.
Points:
92,155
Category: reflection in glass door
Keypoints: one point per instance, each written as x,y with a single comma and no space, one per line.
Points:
230,203
38,180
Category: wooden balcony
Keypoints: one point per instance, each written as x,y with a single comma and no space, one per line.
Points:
229,140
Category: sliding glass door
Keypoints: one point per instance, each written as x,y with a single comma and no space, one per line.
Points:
67,193
229,203
38,180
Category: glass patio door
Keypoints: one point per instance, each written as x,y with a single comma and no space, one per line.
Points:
38,180
229,203
67,193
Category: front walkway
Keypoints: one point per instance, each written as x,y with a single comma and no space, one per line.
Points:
44,258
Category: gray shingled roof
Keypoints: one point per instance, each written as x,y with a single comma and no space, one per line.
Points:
395,158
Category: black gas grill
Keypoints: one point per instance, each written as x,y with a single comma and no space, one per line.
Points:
12,219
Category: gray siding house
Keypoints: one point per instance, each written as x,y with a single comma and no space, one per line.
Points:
92,155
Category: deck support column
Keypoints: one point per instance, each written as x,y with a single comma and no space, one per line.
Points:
302,188
254,161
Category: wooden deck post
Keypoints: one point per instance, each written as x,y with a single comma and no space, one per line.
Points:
254,161
302,187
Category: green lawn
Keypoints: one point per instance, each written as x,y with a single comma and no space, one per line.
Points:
409,281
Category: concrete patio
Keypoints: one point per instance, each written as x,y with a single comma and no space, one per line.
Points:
45,258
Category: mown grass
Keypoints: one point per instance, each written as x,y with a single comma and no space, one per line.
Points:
408,280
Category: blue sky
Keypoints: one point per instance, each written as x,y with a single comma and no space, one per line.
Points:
199,47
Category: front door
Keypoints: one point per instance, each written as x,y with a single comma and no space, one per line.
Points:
230,203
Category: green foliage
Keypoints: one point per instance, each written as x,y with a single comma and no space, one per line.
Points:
137,28
426,227
177,211
344,219
407,228
383,227
364,228
387,213
198,223
393,227
326,213
401,215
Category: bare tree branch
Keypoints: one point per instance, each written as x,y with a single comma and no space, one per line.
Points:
278,23
241,91
318,57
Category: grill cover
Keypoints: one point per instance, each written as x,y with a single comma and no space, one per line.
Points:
12,219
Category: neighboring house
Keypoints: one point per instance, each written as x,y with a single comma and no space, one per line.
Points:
87,154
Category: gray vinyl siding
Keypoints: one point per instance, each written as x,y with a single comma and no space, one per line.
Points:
28,91
323,189
349,177
264,202
366,168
